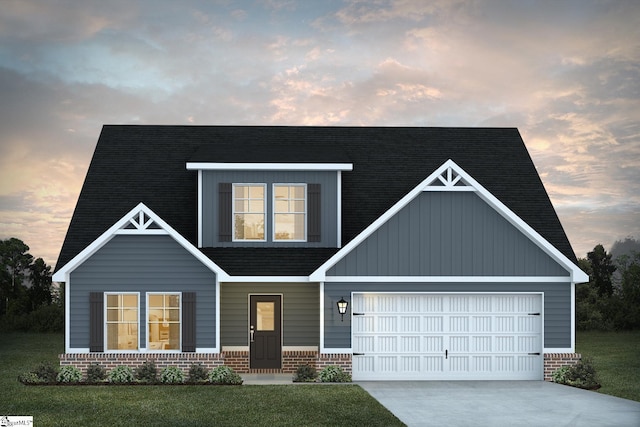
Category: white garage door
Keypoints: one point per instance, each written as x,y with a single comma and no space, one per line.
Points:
447,337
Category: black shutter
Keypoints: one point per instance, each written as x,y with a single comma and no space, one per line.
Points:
189,322
225,204
96,322
313,218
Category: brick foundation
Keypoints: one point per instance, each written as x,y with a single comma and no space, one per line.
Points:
553,361
238,360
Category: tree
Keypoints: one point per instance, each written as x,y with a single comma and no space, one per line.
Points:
40,290
602,269
14,262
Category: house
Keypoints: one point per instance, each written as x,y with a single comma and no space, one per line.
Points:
233,244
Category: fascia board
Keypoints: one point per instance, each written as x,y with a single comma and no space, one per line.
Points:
271,166
577,275
61,275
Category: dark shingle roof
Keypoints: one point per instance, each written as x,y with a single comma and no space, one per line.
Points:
134,164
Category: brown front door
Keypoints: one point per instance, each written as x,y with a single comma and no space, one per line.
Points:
265,331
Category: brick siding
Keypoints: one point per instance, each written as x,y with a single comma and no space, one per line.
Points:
553,361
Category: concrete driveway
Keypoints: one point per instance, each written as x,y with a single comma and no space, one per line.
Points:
500,403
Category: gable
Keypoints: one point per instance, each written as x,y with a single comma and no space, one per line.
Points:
140,221
447,233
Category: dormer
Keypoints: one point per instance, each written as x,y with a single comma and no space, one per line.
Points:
283,196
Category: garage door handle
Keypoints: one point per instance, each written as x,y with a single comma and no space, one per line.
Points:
358,354
446,354
533,314
534,354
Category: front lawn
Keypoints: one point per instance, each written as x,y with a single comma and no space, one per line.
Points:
288,405
616,358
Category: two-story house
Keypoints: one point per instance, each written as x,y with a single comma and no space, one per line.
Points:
234,244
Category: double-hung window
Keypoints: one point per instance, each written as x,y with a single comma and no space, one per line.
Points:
289,212
122,321
164,321
249,209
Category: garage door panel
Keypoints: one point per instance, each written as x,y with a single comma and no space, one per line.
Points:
444,336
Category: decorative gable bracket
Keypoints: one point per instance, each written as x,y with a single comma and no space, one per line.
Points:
448,180
141,223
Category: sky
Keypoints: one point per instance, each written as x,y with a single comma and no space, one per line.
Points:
565,73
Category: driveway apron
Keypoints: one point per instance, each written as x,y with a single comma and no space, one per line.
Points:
500,403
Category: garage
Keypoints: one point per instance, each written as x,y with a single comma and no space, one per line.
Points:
434,336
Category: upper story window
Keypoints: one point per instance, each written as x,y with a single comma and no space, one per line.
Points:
289,212
249,212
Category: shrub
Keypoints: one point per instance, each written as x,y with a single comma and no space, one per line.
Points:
197,373
334,374
46,372
582,375
147,372
29,378
224,375
96,373
172,375
69,374
305,373
121,375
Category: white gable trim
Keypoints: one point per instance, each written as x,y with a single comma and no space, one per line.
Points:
141,218
441,180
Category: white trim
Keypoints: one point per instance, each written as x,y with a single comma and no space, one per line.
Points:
266,279
273,211
270,166
204,350
200,237
235,348
105,317
146,232
162,351
576,275
557,350
448,279
336,351
78,350
67,314
321,317
233,210
63,274
339,210
218,291
573,317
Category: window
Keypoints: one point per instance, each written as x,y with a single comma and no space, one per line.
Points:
289,212
122,321
163,321
248,211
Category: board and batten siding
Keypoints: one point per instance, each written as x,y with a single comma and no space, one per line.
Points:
300,312
447,234
142,264
557,303
328,206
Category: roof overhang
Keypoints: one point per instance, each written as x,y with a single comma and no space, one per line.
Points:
270,166
451,177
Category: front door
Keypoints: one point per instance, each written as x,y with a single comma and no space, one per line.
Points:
265,331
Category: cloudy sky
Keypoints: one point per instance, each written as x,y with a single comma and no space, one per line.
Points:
566,73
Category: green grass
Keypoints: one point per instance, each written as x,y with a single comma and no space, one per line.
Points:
616,358
288,405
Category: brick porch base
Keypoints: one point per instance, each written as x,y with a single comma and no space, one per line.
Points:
239,361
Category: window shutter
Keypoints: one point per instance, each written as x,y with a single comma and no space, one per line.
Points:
189,322
96,322
225,204
313,218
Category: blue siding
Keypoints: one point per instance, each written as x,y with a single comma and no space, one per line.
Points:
557,303
142,264
327,181
447,234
